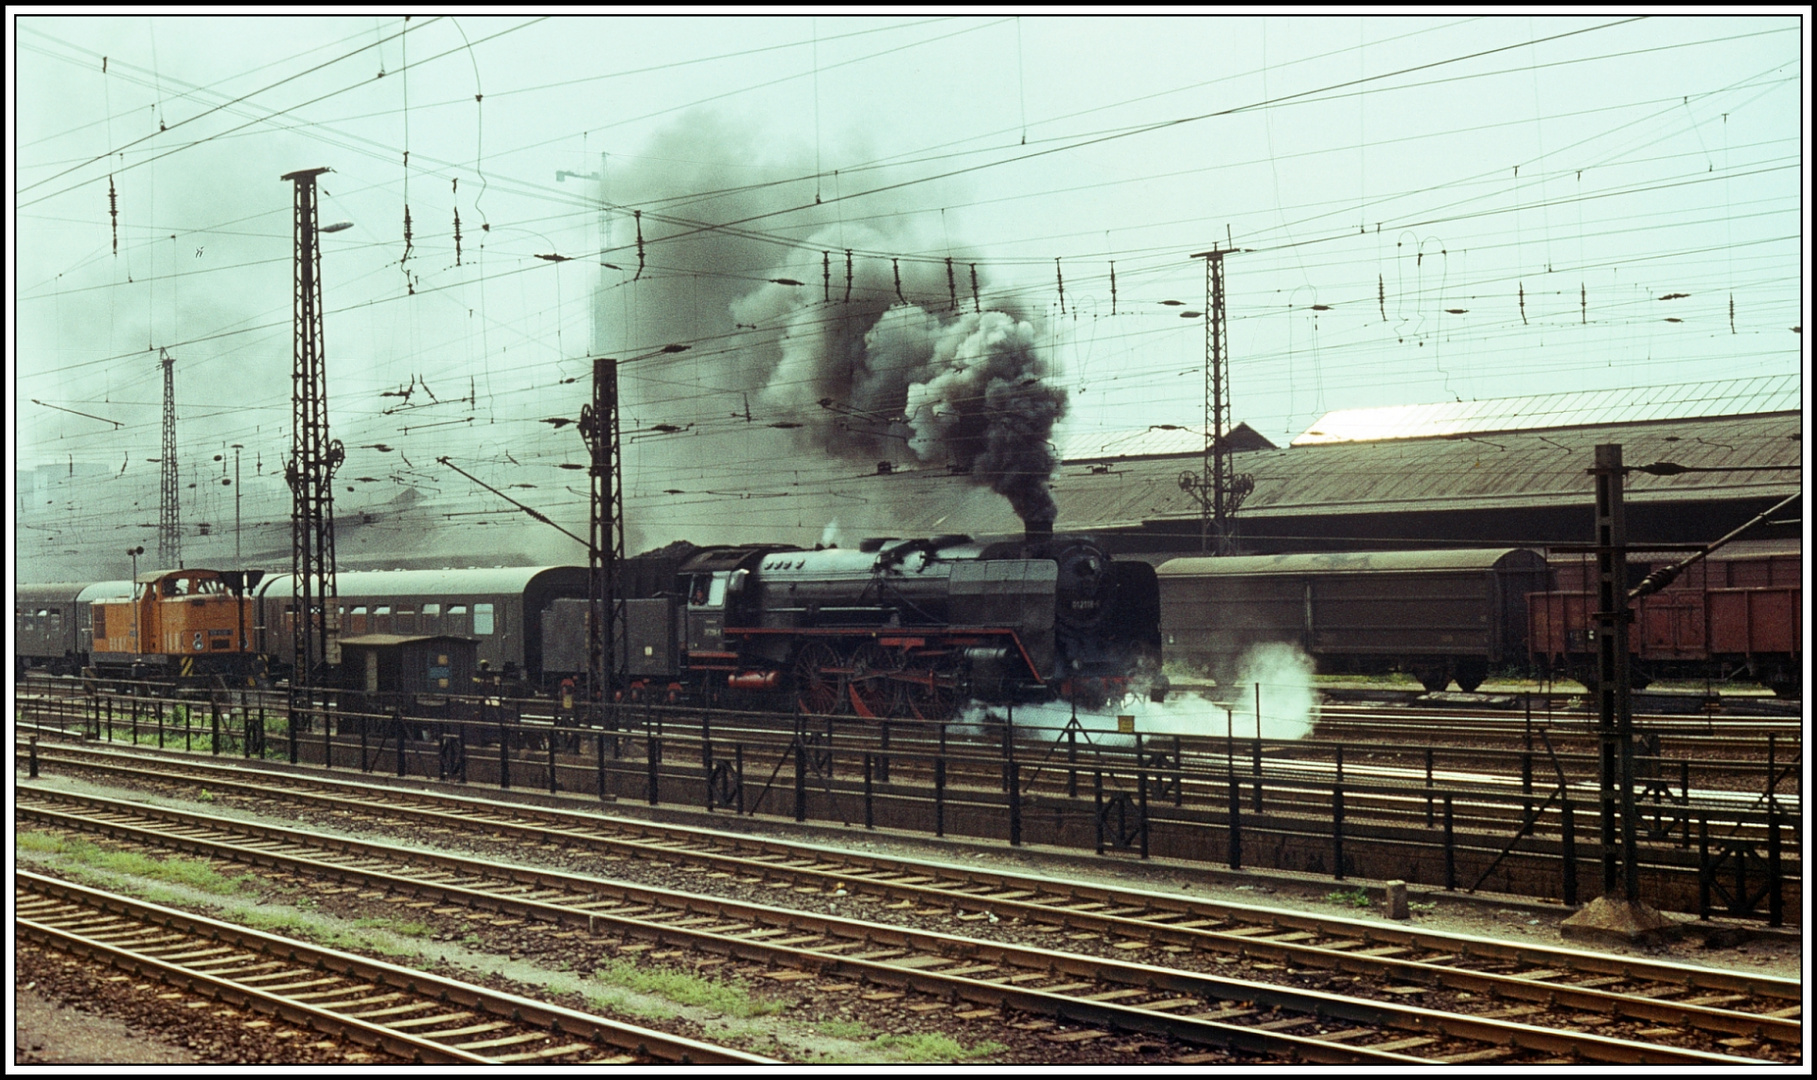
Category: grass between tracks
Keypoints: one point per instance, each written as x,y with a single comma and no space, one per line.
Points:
781,1027
732,998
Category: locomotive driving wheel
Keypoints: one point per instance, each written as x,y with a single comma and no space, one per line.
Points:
819,681
875,687
933,688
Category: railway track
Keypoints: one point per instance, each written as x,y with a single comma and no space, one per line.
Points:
413,1015
1511,989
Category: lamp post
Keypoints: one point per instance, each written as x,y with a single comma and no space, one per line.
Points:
135,552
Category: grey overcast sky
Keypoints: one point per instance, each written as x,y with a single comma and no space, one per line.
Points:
1428,206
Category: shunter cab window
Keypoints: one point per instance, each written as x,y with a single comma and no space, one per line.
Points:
482,619
707,590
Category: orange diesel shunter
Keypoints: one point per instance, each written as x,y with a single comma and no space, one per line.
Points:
182,625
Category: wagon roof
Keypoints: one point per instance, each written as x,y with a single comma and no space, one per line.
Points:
1354,562
498,579
58,591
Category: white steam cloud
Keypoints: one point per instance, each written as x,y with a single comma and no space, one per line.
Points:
1288,705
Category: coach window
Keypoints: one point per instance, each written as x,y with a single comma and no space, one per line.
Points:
56,621
406,620
432,615
356,623
457,619
381,619
482,619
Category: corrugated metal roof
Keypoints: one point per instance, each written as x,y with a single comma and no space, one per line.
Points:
1157,440
1732,397
1512,469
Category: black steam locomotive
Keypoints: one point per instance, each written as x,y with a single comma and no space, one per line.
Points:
896,628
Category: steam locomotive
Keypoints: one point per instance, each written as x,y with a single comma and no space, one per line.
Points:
896,628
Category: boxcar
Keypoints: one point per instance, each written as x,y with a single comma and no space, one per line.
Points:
1437,615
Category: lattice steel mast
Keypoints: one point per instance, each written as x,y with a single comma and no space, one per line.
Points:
1219,490
170,532
606,535
314,456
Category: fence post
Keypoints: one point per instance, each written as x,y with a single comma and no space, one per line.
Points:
1255,768
1775,872
1429,821
1526,783
1450,849
397,725
706,762
801,777
504,752
883,756
327,736
1097,794
599,759
1337,818
1015,807
1072,762
1142,794
32,758
1235,857
1684,791
1567,827
1703,868
653,758
940,792
214,726
870,821
363,726
940,785
1009,755
554,731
